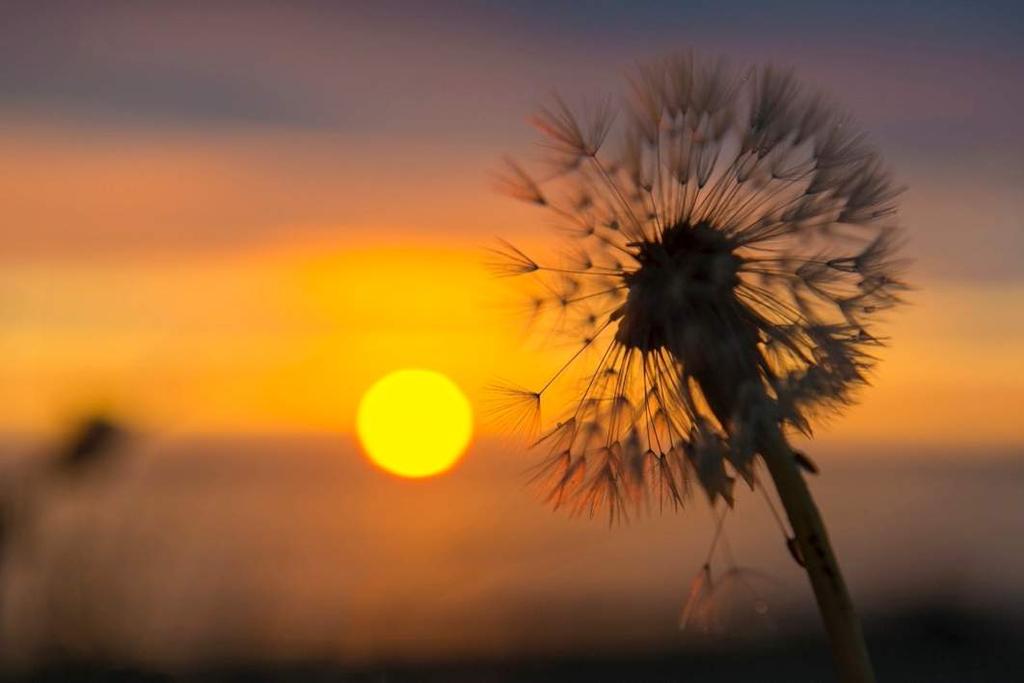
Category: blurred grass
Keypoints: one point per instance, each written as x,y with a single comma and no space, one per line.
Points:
292,558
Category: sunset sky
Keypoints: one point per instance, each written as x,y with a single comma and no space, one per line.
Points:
225,221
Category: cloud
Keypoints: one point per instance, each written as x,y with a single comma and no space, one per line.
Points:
150,127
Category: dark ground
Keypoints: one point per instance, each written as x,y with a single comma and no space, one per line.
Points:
927,646
183,556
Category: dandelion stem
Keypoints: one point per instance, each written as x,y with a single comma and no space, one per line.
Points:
837,612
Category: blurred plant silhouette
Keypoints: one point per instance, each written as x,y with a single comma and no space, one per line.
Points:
732,243
92,443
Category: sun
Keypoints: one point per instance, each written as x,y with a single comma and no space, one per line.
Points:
414,423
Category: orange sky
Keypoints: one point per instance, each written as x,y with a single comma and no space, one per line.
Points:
286,215
357,266
288,339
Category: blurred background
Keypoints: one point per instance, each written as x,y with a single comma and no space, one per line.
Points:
222,222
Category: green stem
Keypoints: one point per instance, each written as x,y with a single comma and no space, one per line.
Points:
837,612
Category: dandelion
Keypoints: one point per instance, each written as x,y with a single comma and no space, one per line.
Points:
733,246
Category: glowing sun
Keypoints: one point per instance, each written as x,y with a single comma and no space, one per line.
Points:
414,423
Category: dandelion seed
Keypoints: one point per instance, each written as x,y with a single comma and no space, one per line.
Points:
514,408
508,260
750,241
516,183
571,136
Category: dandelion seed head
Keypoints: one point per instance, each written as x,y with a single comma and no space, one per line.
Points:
735,244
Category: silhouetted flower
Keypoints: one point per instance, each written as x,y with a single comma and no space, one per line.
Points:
93,441
734,241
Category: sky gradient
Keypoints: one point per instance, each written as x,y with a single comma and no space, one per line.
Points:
228,220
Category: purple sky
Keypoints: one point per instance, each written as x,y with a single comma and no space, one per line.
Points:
937,85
